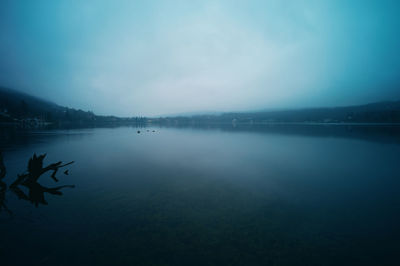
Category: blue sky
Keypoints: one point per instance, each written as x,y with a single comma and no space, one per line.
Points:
161,57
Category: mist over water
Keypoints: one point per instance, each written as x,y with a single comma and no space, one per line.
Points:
201,132
197,196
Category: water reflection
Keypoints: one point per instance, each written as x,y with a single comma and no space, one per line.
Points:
250,196
387,133
384,133
29,180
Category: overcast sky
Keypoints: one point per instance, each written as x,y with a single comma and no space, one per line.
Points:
161,57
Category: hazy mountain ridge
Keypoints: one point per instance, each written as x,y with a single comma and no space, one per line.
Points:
19,107
380,112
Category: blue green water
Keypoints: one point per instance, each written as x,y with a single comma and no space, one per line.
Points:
206,196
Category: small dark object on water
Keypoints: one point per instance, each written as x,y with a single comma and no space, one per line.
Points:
154,131
138,131
66,172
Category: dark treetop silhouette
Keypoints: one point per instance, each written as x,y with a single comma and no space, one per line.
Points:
30,180
3,186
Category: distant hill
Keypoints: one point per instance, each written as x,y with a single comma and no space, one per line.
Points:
380,112
19,107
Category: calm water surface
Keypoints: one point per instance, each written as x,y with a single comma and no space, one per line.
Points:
185,196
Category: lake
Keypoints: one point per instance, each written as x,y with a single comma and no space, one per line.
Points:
205,195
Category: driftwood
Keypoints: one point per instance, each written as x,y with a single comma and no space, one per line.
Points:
3,186
36,170
30,180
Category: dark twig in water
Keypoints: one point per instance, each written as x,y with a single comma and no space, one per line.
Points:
36,169
29,180
3,186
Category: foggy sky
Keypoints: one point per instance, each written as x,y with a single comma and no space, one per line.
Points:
161,57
